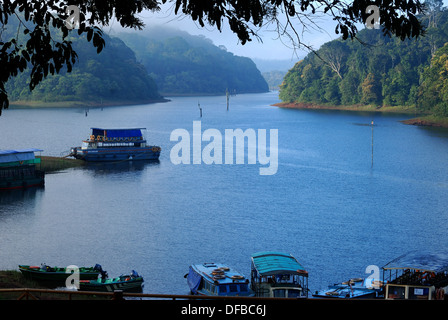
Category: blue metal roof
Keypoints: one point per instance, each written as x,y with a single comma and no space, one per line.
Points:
7,156
117,133
424,261
271,262
206,270
19,151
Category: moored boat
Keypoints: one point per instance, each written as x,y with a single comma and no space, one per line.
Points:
356,288
58,275
127,283
215,279
277,274
417,276
116,145
18,169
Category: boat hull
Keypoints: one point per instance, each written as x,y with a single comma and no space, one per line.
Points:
58,276
26,182
110,285
116,154
347,294
353,289
210,279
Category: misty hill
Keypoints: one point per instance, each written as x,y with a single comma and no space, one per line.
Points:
183,64
383,71
273,71
113,76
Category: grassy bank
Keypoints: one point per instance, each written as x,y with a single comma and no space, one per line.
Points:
364,108
419,120
52,164
430,120
13,279
80,104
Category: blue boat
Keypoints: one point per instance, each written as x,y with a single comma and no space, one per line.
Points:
356,288
214,279
116,145
279,275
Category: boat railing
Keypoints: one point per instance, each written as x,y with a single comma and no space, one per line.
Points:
421,279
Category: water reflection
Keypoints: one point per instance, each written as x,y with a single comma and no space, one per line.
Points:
11,196
110,168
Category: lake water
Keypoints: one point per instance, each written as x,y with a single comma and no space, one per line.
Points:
326,204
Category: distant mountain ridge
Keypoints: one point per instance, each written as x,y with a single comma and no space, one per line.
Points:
184,64
133,68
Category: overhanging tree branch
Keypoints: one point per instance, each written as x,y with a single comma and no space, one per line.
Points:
48,49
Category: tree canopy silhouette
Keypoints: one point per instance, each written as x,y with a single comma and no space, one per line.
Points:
42,42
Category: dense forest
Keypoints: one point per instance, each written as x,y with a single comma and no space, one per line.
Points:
114,75
377,70
183,64
175,64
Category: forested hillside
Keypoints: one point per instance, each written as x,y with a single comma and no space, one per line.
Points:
114,75
183,64
377,70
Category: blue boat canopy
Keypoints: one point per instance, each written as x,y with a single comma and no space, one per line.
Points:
17,155
118,133
269,263
423,261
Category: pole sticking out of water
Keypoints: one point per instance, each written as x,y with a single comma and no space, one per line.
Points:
227,98
372,144
200,109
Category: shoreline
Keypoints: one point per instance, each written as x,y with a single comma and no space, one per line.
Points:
51,164
418,119
81,104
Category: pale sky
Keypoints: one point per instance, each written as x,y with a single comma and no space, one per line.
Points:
271,48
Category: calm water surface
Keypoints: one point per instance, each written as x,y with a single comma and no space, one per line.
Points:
326,205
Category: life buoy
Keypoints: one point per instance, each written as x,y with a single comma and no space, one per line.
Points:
377,283
155,149
217,272
237,277
92,137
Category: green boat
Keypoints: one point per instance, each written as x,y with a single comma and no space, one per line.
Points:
127,283
278,275
59,275
19,170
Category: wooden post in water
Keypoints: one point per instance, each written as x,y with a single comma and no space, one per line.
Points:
372,144
227,98
200,109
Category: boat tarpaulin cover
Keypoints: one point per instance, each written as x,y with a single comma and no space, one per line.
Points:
424,261
118,133
17,155
271,263
194,280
